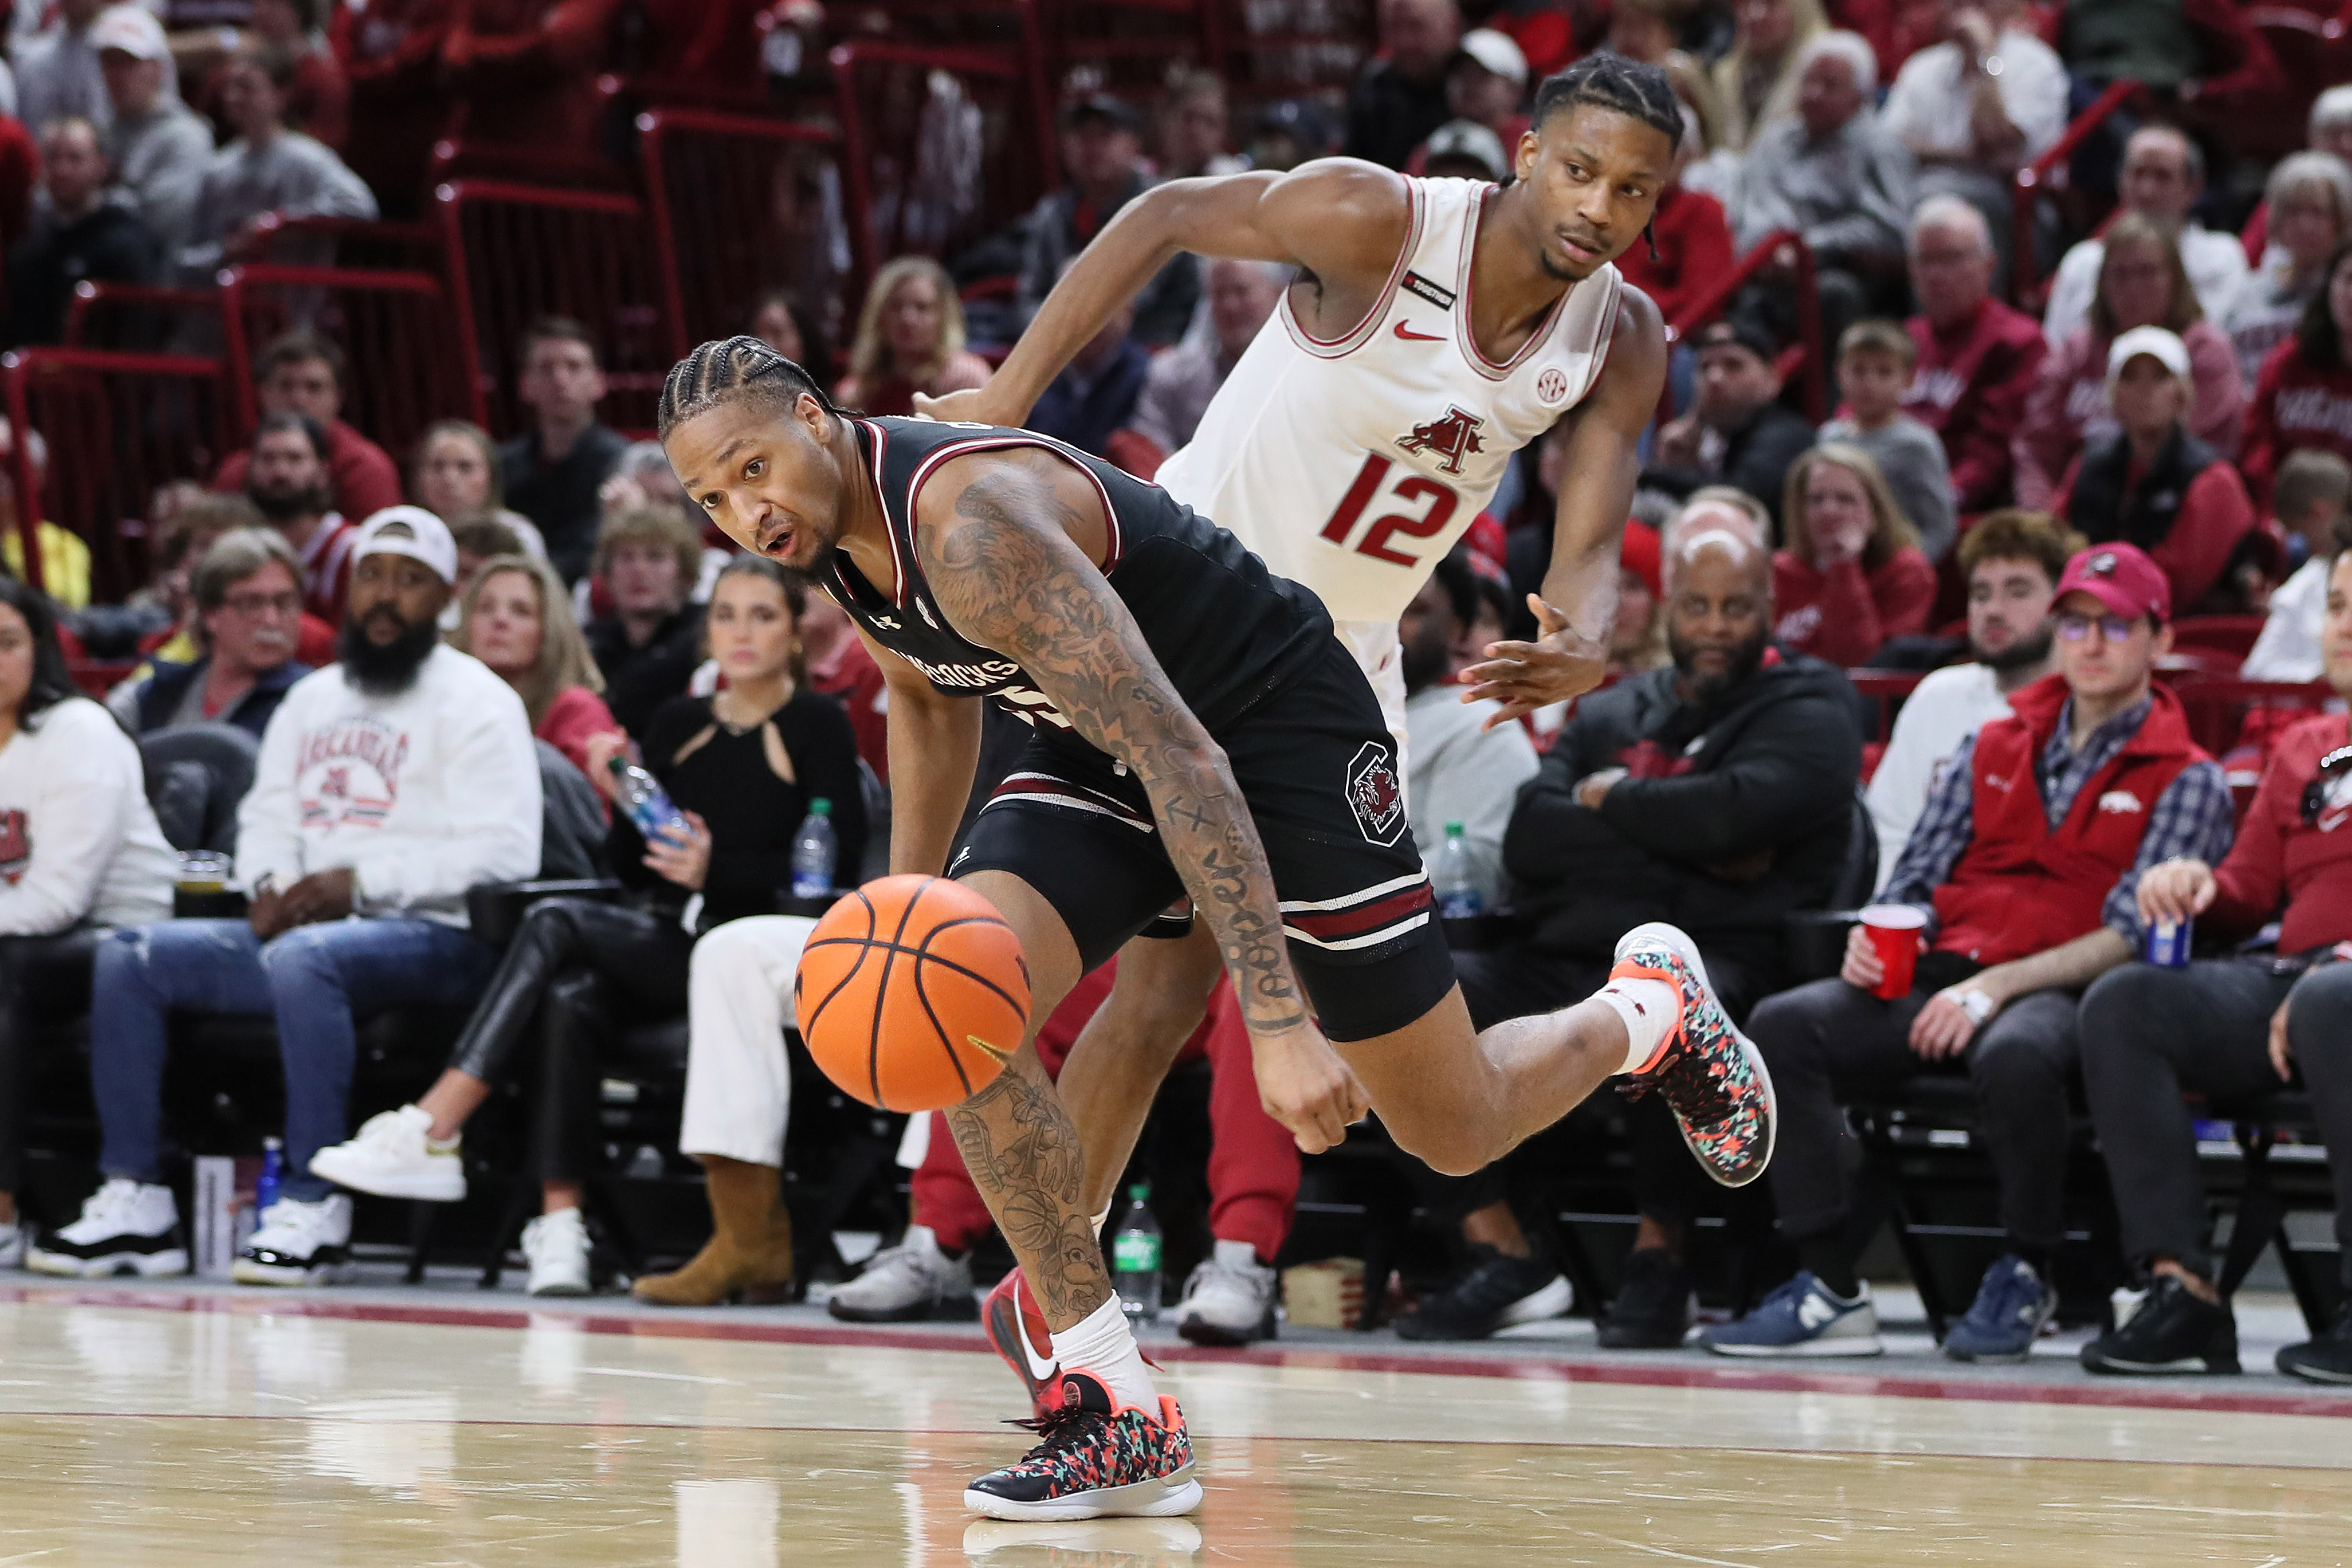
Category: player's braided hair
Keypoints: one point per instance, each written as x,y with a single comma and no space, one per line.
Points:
721,371
1630,87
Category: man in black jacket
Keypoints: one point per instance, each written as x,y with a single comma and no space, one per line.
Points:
1737,431
78,235
1717,793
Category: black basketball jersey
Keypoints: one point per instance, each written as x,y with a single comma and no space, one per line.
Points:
1226,631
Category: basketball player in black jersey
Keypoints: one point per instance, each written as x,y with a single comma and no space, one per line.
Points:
1197,730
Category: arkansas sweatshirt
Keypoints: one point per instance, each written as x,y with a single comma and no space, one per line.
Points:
77,838
422,793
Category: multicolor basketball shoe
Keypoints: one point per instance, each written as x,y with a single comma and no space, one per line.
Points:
1712,1077
1095,1457
1017,1328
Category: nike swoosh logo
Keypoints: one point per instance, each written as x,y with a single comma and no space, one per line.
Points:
1044,1370
1410,336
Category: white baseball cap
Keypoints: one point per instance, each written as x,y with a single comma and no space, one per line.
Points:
2165,347
411,531
1498,53
132,30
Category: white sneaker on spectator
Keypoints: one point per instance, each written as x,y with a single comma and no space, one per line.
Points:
556,1245
299,1242
1229,1300
907,1283
12,1245
395,1154
126,1227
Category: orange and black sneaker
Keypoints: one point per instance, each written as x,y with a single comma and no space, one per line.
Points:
1712,1077
1016,1328
1095,1457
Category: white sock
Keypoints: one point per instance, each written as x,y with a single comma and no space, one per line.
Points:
1650,1009
1103,1344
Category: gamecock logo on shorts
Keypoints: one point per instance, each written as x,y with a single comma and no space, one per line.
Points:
1376,795
1452,438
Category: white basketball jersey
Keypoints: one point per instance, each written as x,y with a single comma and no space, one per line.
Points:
1353,466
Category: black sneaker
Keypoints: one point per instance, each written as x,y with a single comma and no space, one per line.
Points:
1653,1308
1496,1292
2328,1358
2173,1331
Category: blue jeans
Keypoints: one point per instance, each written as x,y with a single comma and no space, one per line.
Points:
316,980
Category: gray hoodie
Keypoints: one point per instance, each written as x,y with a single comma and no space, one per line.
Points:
293,175
159,158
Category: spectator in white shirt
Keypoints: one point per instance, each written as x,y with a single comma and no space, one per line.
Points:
2313,501
2013,560
2163,175
1455,770
1178,387
79,852
387,786
1974,108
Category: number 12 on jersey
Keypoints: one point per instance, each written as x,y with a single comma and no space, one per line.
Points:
1425,507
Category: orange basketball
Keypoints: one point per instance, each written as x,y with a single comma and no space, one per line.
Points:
912,993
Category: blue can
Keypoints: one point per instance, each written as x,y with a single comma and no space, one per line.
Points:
2168,943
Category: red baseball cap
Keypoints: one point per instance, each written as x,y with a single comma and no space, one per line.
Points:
1639,554
2121,578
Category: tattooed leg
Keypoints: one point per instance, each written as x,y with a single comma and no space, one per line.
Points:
1016,1138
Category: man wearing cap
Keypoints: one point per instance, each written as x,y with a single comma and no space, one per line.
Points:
1102,159
2151,483
1486,88
388,784
1400,96
2024,869
1737,432
158,147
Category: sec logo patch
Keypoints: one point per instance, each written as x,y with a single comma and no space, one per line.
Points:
1551,386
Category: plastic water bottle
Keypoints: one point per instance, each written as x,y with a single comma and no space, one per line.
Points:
273,1175
1135,1258
641,797
1456,882
813,853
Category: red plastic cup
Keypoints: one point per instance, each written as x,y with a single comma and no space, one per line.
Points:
1894,931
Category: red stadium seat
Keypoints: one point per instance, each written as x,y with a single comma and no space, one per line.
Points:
519,252
2221,711
117,428
139,318
350,242
2231,634
1885,690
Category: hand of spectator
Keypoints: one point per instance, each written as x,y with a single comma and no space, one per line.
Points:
266,911
241,242
1973,31
975,406
1678,442
685,861
1862,969
1559,664
2280,1049
1303,1084
321,895
1593,788
1944,1027
1836,546
2175,889
602,747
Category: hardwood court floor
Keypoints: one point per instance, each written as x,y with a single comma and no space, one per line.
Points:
172,1428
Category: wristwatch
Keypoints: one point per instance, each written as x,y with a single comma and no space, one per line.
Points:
1973,1002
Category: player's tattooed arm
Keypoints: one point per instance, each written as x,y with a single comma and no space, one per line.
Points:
1000,548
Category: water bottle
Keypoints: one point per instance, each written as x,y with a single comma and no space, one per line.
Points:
813,853
1135,1258
273,1175
645,803
1455,882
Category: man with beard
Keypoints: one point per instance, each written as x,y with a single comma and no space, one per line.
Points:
1715,793
289,481
387,786
2010,562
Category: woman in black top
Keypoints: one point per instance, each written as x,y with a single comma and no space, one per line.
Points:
742,766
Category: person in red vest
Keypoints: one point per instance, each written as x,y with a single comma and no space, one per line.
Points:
2236,1029
2025,866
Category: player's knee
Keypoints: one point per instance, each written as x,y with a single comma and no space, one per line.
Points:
1451,1151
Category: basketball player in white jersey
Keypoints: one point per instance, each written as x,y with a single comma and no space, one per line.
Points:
1436,327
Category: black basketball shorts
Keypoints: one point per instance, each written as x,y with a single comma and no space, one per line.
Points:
1318,766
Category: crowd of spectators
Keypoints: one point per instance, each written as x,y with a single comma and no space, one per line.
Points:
2009,450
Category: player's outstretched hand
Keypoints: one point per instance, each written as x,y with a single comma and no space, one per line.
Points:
973,406
1561,663
1303,1085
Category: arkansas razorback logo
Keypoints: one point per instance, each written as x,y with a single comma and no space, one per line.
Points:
1452,438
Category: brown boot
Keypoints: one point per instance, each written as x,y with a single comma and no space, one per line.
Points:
749,1257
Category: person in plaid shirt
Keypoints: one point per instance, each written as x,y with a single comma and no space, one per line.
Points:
2026,866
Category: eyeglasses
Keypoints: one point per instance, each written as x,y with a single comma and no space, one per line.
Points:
2314,794
252,604
2074,627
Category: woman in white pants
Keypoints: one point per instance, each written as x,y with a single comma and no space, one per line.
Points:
739,1094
